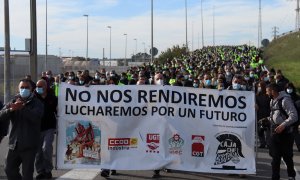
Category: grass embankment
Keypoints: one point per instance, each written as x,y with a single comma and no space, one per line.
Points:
284,53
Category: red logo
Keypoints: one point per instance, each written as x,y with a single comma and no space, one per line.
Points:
122,143
152,143
198,145
119,142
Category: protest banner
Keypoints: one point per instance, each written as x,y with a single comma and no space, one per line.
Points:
152,127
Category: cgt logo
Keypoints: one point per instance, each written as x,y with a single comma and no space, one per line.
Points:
152,143
122,143
198,145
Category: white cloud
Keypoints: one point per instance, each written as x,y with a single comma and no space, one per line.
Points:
235,23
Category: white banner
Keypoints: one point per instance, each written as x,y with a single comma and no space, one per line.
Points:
152,127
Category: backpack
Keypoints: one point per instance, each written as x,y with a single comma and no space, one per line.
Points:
297,106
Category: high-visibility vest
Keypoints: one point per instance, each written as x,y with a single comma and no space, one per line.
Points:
56,89
172,81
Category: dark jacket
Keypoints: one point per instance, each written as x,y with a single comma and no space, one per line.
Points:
49,117
26,124
263,103
3,124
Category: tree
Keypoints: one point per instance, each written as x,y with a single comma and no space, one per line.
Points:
174,52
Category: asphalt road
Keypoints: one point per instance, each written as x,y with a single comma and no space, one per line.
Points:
263,170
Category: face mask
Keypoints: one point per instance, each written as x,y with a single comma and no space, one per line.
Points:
48,76
190,79
81,82
247,78
251,75
112,75
271,96
243,87
266,79
208,82
195,85
186,77
228,73
97,77
24,93
71,77
39,90
259,89
236,86
102,80
160,82
289,91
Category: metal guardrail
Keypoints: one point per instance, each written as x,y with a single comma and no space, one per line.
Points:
287,33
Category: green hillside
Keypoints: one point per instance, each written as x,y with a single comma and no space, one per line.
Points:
284,53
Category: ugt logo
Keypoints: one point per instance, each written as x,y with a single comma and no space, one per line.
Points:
198,145
152,143
229,149
175,144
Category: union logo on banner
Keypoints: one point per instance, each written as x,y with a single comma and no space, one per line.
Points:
229,149
175,144
198,145
122,143
153,141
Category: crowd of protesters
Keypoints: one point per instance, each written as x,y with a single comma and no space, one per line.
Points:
223,67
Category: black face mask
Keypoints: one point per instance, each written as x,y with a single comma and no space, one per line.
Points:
271,96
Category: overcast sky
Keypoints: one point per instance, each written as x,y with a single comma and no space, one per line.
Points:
236,22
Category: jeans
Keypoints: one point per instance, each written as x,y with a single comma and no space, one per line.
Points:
43,162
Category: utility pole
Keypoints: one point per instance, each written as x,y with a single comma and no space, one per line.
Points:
33,49
103,56
186,33
46,54
214,32
202,23
7,53
298,17
259,37
152,57
193,36
275,31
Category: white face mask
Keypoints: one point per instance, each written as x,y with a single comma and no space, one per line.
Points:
289,91
159,82
259,89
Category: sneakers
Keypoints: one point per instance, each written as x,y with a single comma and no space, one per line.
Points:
168,170
44,175
105,173
156,176
113,172
262,146
291,178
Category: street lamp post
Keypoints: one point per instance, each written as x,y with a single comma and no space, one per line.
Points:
109,44
125,49
152,59
144,51
135,45
7,53
135,48
186,36
87,37
202,22
46,54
